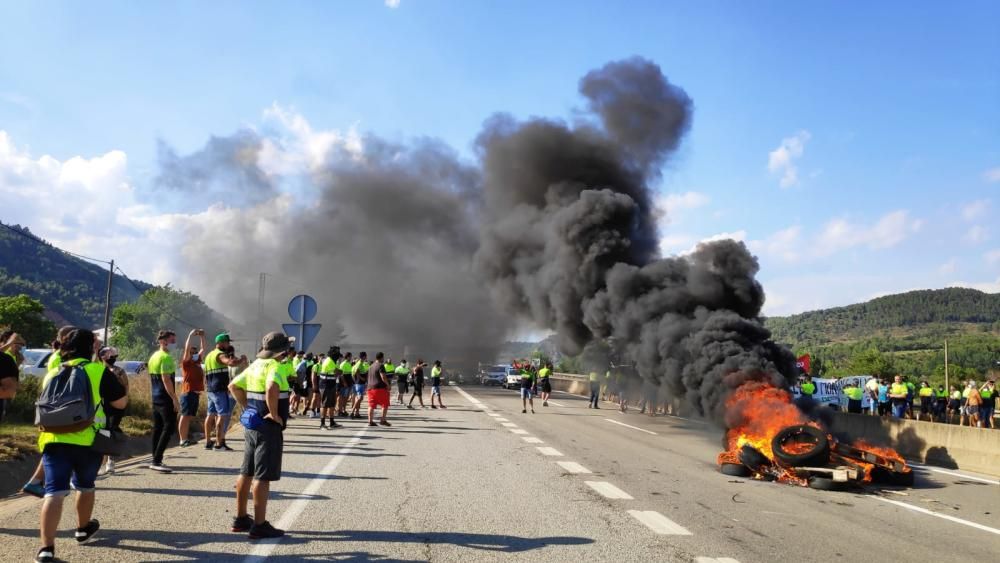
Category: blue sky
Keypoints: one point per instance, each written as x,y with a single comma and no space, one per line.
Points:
854,146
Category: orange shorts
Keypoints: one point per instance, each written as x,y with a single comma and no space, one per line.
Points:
378,398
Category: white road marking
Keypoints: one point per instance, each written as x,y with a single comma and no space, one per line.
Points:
532,440
502,420
508,424
263,548
664,526
556,404
607,490
630,426
715,560
573,467
493,414
549,451
518,431
953,473
939,515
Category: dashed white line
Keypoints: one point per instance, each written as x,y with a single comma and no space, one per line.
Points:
573,467
661,524
532,440
954,473
549,451
630,426
939,515
264,548
607,490
508,424
518,431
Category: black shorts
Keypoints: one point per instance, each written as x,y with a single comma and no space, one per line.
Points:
418,390
401,385
329,396
262,452
546,385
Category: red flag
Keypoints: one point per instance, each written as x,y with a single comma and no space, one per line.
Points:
803,362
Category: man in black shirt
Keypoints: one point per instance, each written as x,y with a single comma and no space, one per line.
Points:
378,391
9,376
418,384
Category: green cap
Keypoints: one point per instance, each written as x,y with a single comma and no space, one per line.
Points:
222,337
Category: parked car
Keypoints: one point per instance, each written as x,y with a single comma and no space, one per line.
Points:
133,368
494,375
35,361
512,378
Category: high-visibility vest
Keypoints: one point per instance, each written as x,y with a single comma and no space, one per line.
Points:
54,360
926,392
345,367
593,376
956,394
807,388
854,393
328,370
390,368
941,394
256,376
898,389
985,393
544,373
965,393
85,437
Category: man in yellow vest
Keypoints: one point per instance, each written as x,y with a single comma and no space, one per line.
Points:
67,455
220,404
807,387
543,379
262,391
854,396
897,395
161,368
329,373
926,394
595,391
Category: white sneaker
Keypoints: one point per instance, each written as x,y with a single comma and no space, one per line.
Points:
109,467
161,468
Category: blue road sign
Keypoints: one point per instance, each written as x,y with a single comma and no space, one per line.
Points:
302,309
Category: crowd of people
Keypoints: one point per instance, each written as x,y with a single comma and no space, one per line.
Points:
279,384
968,404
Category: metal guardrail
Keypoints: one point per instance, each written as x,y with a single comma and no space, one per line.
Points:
570,376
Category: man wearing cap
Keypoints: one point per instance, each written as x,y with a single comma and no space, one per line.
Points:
261,388
220,405
165,402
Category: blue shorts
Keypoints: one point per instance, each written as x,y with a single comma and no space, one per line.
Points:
359,389
436,390
67,464
220,403
189,404
345,391
525,393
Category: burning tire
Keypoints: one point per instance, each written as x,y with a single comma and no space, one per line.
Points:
801,446
734,470
824,484
753,459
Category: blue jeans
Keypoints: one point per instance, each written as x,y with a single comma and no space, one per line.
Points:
220,403
595,391
65,464
899,409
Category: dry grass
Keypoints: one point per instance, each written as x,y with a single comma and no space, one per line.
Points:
17,440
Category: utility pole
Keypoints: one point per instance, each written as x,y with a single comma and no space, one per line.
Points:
107,303
946,386
260,310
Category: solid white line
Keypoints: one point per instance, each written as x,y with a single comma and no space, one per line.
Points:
573,467
630,426
555,403
493,414
661,524
508,424
264,548
532,440
715,560
518,431
953,473
549,451
939,515
607,490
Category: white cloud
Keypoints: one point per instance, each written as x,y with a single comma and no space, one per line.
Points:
976,234
392,4
299,148
672,203
992,257
992,175
975,210
672,244
891,229
948,267
782,159
988,286
784,244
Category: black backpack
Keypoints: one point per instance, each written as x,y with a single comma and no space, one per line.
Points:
67,403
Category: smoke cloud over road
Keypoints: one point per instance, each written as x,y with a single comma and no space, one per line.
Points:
554,226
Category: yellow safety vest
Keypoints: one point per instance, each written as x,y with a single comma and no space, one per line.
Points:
83,437
854,393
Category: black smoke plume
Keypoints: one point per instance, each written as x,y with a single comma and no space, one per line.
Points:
569,240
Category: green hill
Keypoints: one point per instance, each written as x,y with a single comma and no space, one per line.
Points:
72,290
908,329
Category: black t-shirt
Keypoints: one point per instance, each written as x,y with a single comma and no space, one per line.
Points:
111,390
418,376
375,374
8,367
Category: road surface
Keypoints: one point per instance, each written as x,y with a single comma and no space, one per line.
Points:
481,481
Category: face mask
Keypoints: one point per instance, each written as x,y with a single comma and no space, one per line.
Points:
111,361
170,345
194,357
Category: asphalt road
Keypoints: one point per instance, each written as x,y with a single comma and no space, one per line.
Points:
480,481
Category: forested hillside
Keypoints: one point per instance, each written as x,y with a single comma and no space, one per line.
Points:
903,333
72,288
